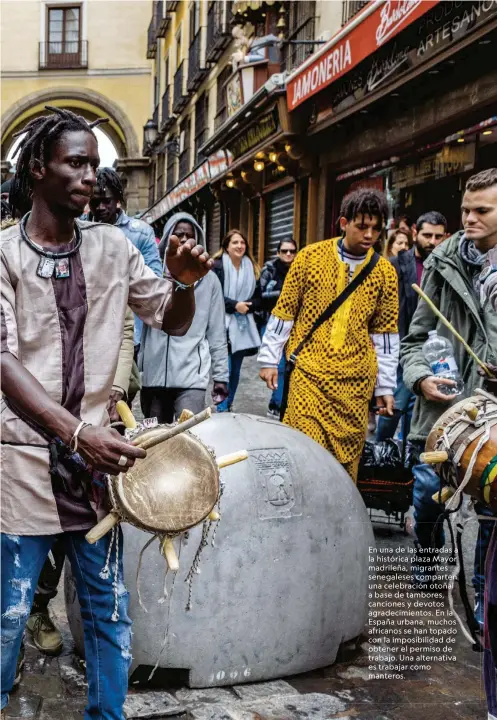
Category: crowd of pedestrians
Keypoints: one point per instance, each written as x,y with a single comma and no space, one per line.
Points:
336,327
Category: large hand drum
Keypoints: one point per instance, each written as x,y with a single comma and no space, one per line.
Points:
463,443
173,489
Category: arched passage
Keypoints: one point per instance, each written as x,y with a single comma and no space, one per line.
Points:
88,103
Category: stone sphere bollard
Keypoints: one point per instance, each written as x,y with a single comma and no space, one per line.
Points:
286,582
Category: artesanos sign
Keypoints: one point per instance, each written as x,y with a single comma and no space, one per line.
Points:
350,48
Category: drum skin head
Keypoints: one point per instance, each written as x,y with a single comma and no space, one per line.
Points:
173,489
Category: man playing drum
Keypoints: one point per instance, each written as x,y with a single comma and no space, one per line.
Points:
65,288
451,280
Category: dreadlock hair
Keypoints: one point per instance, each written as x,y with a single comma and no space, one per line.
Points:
35,149
108,178
364,202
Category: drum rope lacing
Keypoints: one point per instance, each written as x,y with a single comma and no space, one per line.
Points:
194,569
454,506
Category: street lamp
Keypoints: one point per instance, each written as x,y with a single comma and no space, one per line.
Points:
150,131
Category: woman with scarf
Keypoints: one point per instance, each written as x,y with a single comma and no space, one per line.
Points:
239,276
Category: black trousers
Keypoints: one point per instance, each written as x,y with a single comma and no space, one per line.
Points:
166,404
49,579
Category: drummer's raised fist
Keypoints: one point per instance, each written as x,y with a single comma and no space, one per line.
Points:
187,262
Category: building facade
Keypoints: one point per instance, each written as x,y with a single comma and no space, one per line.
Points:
88,56
268,113
219,122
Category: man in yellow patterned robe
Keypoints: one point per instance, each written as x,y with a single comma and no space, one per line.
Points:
353,354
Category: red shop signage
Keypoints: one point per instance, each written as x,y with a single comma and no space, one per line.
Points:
350,47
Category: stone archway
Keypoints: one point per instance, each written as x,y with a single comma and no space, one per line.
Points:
90,104
119,126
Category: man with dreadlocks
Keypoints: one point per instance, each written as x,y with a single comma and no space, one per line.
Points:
335,371
65,286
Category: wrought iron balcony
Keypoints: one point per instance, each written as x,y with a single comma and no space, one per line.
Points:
195,70
179,98
218,31
166,116
351,8
63,55
152,40
172,5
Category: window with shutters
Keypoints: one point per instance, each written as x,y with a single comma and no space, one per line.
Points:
221,109
184,145
160,175
301,28
201,119
151,187
171,167
279,219
64,47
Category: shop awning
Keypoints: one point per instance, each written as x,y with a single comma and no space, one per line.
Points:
215,165
371,28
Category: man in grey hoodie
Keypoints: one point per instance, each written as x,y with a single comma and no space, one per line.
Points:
176,370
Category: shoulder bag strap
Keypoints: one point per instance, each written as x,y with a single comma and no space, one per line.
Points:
337,302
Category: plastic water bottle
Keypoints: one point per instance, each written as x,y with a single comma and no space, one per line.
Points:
439,353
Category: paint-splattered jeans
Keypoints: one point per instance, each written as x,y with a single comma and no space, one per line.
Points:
107,642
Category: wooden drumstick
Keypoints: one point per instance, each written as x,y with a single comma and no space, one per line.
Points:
168,433
126,415
434,457
169,552
102,528
449,325
232,458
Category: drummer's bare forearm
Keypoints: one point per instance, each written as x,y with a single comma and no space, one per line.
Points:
179,315
30,398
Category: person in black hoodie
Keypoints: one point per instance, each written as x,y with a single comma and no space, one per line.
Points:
273,276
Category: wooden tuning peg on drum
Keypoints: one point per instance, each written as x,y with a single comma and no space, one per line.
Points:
471,411
434,457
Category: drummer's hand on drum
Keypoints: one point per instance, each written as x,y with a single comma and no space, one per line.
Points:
270,377
102,448
429,388
187,261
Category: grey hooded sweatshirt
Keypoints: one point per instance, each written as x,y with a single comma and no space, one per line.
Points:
185,362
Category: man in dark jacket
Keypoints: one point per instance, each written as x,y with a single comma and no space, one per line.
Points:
273,276
450,279
431,229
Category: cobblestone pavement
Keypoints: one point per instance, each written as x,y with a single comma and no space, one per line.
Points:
55,688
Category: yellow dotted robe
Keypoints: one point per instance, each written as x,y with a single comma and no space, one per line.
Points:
335,373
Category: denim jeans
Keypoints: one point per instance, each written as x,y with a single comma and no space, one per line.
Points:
277,395
426,512
235,361
107,642
404,401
